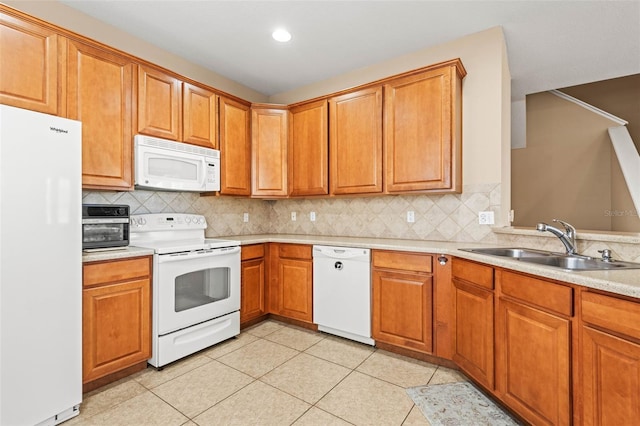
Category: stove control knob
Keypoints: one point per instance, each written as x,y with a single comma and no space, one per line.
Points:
142,221
201,220
133,221
187,219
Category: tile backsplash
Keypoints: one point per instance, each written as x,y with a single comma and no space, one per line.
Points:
451,217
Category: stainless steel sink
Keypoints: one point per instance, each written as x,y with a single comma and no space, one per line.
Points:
557,260
575,263
512,252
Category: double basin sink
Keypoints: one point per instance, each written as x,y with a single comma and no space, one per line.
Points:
562,261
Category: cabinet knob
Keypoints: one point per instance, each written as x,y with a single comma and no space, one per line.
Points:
442,259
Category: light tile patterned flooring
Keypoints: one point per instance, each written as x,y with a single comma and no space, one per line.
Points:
271,374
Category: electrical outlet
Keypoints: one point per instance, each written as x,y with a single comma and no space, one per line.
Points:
312,216
485,218
512,215
245,217
411,217
294,216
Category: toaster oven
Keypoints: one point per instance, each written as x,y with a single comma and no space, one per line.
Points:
105,226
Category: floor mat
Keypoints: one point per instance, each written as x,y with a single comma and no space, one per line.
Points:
458,404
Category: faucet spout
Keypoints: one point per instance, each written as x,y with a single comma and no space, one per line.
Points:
568,237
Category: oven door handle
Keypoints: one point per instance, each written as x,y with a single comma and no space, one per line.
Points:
200,254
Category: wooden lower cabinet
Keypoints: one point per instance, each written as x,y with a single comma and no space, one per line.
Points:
608,379
533,347
252,282
402,299
291,288
474,314
116,316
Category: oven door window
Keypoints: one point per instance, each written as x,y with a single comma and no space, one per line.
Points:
202,287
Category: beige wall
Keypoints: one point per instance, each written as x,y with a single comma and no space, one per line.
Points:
617,96
565,170
76,21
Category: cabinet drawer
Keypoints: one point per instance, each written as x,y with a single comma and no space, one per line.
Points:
614,314
545,294
253,251
295,251
111,271
402,260
472,272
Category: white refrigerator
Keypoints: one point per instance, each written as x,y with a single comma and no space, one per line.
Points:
40,268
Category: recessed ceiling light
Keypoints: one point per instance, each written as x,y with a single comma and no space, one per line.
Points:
281,35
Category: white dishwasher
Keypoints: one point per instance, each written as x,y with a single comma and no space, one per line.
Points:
342,292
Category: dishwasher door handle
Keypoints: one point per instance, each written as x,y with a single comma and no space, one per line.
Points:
335,253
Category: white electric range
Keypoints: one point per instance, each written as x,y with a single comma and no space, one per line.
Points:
196,284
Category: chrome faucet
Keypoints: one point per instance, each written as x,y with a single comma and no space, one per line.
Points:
568,237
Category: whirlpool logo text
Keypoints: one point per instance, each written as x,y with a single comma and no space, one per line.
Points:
57,130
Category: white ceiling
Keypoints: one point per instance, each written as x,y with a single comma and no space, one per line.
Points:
550,44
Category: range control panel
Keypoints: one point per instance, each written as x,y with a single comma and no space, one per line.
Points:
167,221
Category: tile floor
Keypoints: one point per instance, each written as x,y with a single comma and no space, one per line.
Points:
271,374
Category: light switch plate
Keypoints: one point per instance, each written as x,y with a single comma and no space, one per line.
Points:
411,217
245,217
294,216
312,216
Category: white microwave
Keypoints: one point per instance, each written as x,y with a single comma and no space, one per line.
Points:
166,165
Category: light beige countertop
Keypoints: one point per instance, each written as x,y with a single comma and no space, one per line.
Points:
121,253
625,282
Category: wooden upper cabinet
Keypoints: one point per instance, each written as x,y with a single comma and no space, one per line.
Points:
199,116
308,149
356,142
235,148
159,104
99,93
29,74
423,131
269,152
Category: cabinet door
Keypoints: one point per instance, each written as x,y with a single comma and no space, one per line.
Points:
269,152
29,73
422,147
295,289
474,331
99,94
252,289
610,368
533,363
402,309
200,125
159,104
116,331
308,149
235,148
356,142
